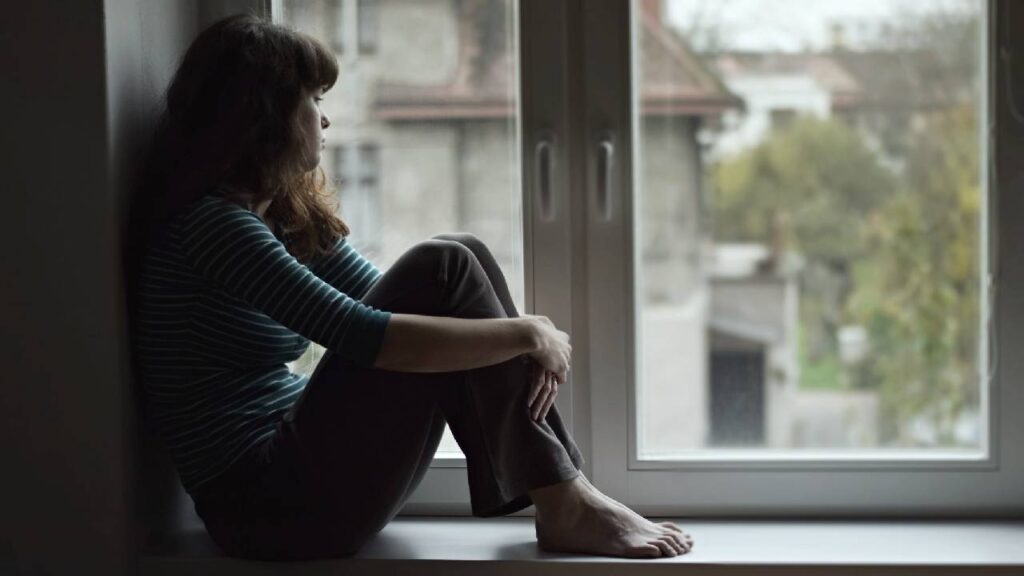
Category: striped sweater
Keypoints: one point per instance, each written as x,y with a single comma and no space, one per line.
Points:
222,307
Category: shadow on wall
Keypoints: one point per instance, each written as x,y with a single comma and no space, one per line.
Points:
146,41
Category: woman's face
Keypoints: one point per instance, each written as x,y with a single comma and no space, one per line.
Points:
312,123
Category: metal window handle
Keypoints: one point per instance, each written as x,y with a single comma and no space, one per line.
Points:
605,162
543,169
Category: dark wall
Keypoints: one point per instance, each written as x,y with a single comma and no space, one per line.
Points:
63,413
80,87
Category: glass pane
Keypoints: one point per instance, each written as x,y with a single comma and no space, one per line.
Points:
809,212
424,135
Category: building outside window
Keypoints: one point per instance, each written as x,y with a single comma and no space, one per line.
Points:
339,15
356,173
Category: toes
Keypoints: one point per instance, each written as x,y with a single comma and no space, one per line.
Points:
665,547
679,541
649,550
685,538
677,545
672,526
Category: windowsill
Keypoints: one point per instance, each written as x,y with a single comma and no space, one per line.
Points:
447,545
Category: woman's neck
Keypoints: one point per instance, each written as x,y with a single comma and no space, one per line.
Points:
258,209
261,208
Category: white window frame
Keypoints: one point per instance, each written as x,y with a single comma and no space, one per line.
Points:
760,483
577,260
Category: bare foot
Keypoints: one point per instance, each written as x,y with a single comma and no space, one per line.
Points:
573,516
608,498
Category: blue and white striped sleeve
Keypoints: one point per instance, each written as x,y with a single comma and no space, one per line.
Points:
234,249
346,269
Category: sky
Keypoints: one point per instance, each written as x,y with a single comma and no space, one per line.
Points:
794,25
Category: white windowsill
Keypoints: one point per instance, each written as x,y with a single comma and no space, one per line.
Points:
459,545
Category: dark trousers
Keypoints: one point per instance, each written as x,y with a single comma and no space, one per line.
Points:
358,441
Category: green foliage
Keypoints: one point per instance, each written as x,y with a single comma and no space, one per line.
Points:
808,189
896,253
919,297
813,183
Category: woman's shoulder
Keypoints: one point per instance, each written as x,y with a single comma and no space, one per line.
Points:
216,203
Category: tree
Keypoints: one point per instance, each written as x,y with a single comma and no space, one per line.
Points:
808,189
895,249
920,301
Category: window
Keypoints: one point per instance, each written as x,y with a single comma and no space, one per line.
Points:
356,170
770,241
367,26
336,20
812,319
424,139
337,16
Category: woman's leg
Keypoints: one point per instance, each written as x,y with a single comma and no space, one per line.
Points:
361,438
490,266
576,513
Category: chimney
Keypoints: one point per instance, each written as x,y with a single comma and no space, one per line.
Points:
837,37
653,8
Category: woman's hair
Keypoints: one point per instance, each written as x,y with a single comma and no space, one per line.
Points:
230,122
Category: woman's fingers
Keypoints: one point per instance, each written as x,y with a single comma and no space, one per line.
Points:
549,401
542,394
543,390
542,398
537,378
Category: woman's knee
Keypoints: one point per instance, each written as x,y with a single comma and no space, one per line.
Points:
469,247
442,250
467,239
448,259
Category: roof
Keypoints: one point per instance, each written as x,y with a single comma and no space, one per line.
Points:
827,71
913,79
858,79
480,87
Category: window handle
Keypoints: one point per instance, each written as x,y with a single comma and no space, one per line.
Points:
544,167
605,163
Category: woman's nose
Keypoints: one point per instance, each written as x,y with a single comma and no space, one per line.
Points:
324,121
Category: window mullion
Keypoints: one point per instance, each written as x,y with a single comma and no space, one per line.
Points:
606,142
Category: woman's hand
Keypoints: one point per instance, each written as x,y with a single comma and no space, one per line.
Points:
552,355
551,348
543,391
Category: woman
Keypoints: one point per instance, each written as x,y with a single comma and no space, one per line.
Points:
247,263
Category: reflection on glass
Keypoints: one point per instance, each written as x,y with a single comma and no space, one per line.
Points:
424,135
809,215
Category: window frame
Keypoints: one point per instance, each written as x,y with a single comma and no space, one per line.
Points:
763,484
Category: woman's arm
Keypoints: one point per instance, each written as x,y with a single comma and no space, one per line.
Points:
417,343
235,251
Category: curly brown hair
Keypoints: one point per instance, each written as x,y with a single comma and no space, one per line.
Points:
230,123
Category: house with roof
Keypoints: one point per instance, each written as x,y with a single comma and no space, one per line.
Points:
777,87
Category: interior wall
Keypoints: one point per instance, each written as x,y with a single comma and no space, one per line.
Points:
145,43
168,27
80,87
